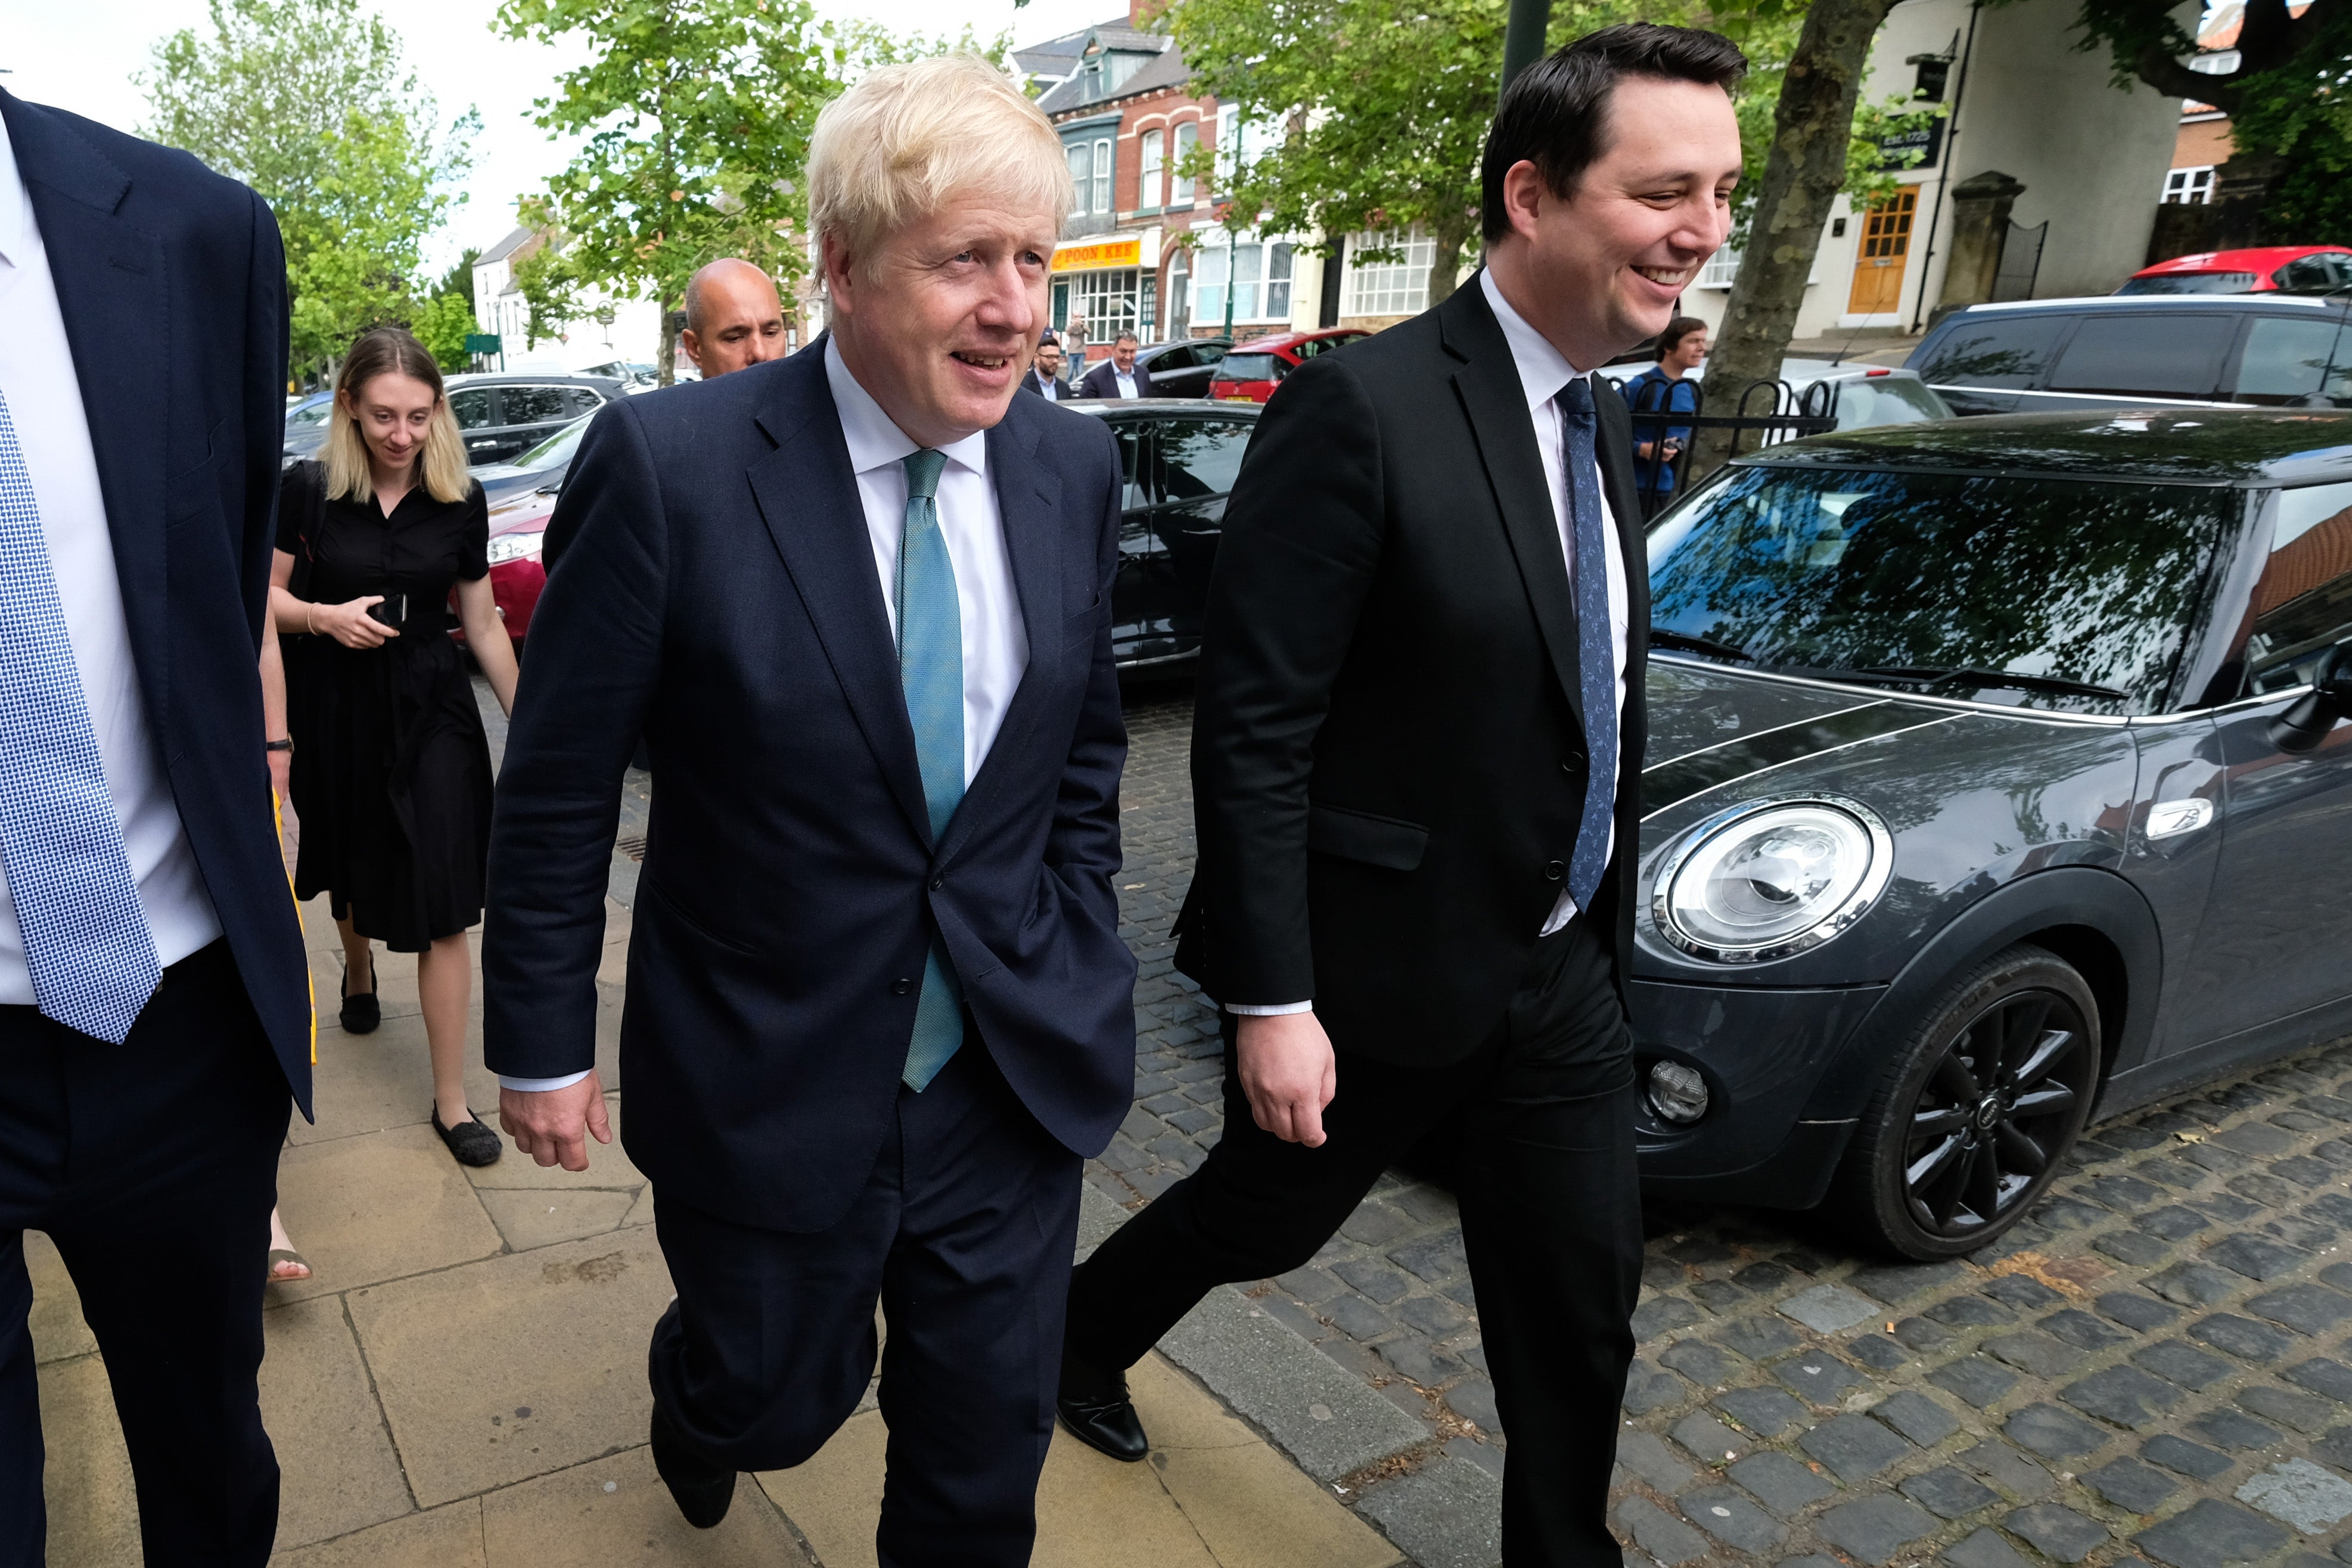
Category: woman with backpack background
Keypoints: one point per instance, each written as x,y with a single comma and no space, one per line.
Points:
391,766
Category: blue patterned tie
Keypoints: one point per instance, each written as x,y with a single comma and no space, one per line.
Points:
930,672
1596,658
86,939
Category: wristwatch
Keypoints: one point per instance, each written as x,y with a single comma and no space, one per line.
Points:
286,745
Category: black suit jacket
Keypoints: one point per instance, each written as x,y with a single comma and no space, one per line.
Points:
173,284
1103,382
1029,384
713,587
1388,757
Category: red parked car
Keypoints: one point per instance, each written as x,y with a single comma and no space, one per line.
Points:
1251,371
2266,269
517,529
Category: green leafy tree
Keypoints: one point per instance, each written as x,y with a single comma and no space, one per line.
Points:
441,324
697,115
309,102
2285,96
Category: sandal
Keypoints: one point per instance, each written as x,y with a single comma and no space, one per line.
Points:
278,1257
471,1143
361,1014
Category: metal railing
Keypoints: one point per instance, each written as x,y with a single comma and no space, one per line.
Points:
1783,414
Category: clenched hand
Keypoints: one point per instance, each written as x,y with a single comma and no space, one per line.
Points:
554,1126
1288,1074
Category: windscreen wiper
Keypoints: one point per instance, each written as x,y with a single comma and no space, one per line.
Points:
1661,638
1988,680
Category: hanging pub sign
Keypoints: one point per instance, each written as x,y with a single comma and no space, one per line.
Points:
1926,140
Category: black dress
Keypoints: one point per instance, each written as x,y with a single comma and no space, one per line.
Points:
392,770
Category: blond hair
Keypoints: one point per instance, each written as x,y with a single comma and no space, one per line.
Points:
440,465
902,142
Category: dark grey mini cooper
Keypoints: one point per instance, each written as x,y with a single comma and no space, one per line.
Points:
1994,782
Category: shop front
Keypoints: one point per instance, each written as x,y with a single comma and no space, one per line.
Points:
1110,282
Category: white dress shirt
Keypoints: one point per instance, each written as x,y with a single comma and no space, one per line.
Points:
1126,380
1050,386
995,639
44,394
1543,371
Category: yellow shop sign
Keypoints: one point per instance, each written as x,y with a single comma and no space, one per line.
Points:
1093,256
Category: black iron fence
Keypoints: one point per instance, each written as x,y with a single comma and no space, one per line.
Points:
1667,414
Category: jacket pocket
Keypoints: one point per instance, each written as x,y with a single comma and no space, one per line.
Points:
1379,841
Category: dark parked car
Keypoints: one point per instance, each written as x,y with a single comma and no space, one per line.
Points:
2274,350
1973,806
1179,458
306,425
1183,368
504,416
541,468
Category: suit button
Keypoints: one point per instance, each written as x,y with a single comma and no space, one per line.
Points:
1555,870
1575,762
937,883
901,985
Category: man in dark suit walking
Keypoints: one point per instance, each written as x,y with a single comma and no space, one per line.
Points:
858,602
154,1009
1119,376
1045,378
1415,755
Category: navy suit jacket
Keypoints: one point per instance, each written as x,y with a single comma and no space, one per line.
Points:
713,585
1103,382
173,284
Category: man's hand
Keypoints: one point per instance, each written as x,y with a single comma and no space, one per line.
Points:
1288,1074
552,1127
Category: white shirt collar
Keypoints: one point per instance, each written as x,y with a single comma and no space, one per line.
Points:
875,439
1543,370
16,206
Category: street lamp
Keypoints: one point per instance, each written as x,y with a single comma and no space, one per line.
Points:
1523,40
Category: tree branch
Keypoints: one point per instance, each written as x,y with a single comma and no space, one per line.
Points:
2161,71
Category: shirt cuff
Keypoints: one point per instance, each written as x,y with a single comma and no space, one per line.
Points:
1269,1010
541,1085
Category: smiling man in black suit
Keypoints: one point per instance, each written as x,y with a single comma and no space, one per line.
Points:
1415,756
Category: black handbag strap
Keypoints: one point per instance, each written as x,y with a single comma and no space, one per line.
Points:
310,496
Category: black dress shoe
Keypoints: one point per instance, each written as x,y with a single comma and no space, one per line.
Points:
1093,1405
471,1141
361,1013
700,1489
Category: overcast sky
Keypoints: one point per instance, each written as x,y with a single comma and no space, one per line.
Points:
81,55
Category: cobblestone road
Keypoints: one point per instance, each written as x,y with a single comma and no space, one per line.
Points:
2153,1366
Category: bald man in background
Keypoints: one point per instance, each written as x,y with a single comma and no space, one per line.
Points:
733,317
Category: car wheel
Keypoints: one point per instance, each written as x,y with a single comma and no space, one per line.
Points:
1977,1111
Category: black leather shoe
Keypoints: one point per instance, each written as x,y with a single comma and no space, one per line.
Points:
1093,1405
361,1013
701,1490
471,1141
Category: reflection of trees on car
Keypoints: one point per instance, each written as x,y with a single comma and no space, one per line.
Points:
2084,581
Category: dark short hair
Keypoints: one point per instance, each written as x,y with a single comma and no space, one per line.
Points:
1678,329
1555,111
1127,338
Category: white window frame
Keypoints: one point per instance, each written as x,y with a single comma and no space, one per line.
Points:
1103,167
1081,185
1267,269
1180,192
2188,186
1151,166
1389,288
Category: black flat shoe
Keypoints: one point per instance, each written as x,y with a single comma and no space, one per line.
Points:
701,1490
1095,1409
470,1143
361,1014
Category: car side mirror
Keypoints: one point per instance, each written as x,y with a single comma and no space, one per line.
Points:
2303,726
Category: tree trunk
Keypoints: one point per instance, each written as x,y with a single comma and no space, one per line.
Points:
1802,176
666,359
1445,255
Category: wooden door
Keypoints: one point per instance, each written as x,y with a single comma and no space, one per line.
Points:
1886,251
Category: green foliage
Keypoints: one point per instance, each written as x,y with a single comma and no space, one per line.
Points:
864,45
309,102
459,278
441,324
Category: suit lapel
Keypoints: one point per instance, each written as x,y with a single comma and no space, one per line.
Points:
1488,384
1028,499
1625,509
807,495
113,293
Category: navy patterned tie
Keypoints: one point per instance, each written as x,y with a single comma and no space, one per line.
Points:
87,944
1596,657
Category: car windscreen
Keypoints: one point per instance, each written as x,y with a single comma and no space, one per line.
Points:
557,448
1251,368
2191,283
1839,570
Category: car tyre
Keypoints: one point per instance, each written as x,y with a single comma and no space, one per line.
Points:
1976,1113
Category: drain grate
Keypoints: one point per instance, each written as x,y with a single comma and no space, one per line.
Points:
634,846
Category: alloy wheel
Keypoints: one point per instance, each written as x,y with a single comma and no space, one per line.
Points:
1995,1113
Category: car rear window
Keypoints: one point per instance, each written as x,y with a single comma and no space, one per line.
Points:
534,405
1201,457
2287,358
2005,352
2146,355
2191,283
1251,368
1887,400
2317,274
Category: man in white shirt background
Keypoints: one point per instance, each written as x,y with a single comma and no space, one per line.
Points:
155,1003
857,601
1119,376
1416,744
1045,378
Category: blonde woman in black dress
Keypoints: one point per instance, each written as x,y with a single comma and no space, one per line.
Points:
392,770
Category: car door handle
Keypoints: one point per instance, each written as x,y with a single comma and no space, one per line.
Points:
2172,819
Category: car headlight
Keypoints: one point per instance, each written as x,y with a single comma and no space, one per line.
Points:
515,547
1772,878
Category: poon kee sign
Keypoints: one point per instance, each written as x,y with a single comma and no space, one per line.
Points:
1095,256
